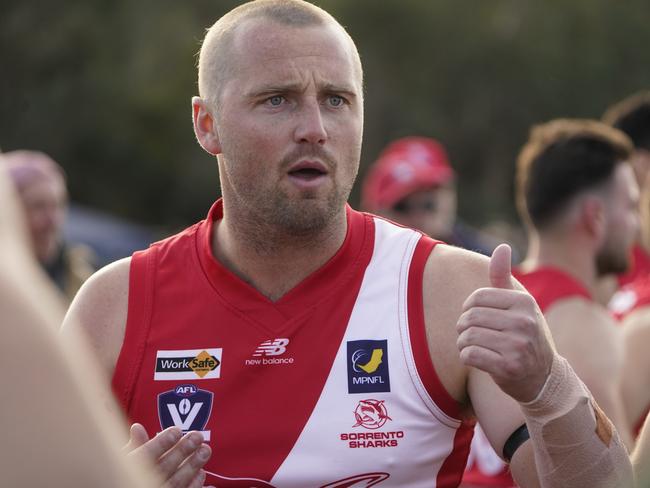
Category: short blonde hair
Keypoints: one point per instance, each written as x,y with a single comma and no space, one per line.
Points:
213,58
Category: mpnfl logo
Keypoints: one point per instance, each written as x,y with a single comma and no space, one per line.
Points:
273,347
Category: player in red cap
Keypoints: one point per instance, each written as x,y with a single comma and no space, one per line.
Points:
413,183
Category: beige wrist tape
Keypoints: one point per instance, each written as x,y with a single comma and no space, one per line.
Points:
575,444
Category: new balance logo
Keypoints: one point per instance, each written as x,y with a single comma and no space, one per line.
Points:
276,347
267,352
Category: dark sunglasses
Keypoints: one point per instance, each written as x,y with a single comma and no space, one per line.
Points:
405,207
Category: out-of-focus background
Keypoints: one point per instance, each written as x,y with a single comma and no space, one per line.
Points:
104,87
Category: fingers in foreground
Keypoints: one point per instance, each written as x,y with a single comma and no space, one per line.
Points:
488,318
137,437
155,448
487,338
174,462
482,358
190,473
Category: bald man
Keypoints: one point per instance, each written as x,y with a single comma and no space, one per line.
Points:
313,345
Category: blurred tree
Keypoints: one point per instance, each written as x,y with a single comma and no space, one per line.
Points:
105,87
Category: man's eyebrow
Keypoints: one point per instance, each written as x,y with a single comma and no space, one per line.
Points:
299,87
275,88
346,90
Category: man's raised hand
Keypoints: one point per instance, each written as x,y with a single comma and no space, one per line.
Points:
502,332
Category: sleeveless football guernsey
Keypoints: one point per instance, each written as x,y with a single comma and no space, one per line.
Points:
639,266
547,285
330,386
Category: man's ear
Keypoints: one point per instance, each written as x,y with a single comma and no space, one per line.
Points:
594,216
204,126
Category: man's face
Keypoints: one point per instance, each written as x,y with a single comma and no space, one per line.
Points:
622,209
432,211
45,201
290,123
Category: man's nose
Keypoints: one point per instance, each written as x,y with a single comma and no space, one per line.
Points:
310,126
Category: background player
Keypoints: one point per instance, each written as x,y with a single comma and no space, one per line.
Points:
578,197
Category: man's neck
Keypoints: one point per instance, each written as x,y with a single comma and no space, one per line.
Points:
564,253
270,259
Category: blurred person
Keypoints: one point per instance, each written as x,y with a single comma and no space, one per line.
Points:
40,183
632,116
413,183
52,431
635,319
577,195
277,326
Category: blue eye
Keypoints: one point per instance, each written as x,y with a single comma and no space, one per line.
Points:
336,101
276,100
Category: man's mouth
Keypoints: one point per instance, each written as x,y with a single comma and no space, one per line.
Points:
308,170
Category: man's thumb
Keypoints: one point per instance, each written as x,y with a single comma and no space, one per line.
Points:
500,267
137,436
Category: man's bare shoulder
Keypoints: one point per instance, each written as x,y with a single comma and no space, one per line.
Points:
456,272
636,336
99,310
638,322
576,318
451,275
587,336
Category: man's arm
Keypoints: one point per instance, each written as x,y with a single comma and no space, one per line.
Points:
98,313
589,339
98,316
502,332
641,456
636,364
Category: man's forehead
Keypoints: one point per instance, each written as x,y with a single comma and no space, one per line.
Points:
266,41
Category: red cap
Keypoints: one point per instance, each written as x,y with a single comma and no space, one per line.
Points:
407,165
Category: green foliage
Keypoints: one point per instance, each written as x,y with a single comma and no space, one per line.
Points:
105,88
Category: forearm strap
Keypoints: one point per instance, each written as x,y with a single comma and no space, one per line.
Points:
575,444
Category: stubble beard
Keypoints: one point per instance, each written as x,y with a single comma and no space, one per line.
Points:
270,218
310,214
612,260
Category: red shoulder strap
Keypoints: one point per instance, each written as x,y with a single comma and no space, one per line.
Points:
141,287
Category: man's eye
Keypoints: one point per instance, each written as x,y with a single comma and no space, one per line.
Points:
276,100
336,101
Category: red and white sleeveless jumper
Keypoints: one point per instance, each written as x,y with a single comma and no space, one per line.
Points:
332,385
547,285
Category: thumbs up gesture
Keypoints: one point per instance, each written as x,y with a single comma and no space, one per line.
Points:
502,332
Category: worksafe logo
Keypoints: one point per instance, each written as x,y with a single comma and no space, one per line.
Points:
186,407
189,364
368,366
